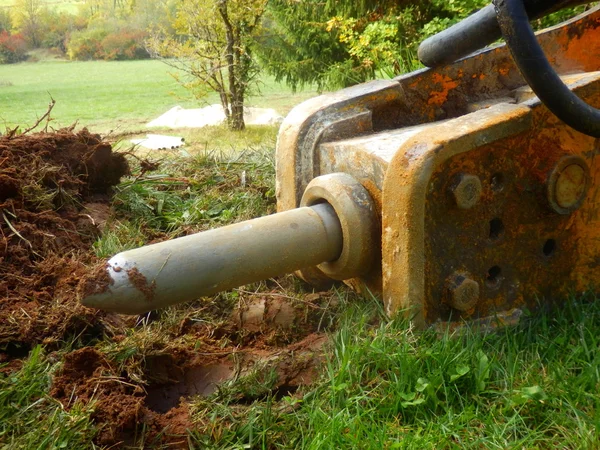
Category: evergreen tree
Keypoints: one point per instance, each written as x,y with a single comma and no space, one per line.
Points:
337,43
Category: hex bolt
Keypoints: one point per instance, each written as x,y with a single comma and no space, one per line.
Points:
463,292
568,184
467,191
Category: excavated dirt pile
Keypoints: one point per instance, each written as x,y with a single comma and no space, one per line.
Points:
53,189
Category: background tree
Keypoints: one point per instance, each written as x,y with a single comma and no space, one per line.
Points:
27,20
336,43
5,20
213,46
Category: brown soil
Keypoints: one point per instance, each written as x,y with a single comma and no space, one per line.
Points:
140,282
54,200
175,376
46,232
96,281
87,376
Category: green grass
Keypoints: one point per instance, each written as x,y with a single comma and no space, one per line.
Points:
115,95
205,191
386,386
31,419
383,385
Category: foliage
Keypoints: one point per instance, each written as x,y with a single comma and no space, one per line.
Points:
100,42
56,29
213,46
375,46
340,43
5,20
561,15
27,19
138,14
41,26
13,48
86,44
124,45
297,48
122,23
343,43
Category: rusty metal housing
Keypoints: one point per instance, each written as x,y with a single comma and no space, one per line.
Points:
487,201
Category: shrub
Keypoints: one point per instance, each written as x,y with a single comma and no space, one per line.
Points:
5,20
124,45
13,48
86,44
100,43
57,26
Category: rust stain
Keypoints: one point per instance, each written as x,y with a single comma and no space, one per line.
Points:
446,84
374,192
577,48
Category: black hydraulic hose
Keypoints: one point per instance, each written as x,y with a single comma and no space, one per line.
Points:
461,39
477,31
539,74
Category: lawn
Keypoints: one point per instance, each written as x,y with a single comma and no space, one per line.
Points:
105,96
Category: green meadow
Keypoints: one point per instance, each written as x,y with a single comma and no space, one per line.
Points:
110,95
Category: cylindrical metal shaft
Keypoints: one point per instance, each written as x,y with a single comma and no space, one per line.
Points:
203,264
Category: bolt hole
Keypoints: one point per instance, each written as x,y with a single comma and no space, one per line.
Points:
493,276
496,228
497,182
549,247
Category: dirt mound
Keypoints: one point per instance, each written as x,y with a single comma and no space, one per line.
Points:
46,231
234,361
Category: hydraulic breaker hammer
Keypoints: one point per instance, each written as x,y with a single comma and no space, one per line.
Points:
462,191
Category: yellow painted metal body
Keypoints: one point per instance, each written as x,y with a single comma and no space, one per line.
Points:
487,202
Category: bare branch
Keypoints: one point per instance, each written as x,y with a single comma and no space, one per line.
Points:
46,115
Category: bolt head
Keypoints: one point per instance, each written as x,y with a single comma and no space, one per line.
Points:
568,184
463,292
467,191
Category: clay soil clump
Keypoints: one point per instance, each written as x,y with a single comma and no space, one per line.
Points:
46,232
